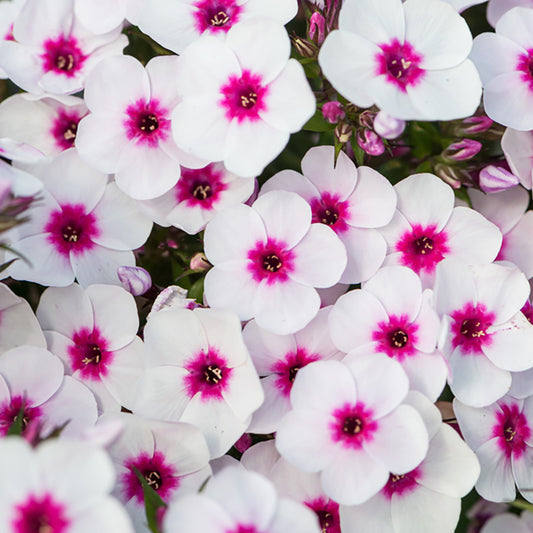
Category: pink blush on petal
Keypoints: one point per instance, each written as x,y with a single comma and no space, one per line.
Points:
62,56
243,529
422,248
270,261
288,367
525,66
329,210
243,97
400,63
352,425
512,430
65,128
147,122
209,375
401,484
40,514
469,328
71,229
89,355
201,187
216,15
10,410
396,337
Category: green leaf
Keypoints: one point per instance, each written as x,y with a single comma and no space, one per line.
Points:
318,123
358,152
197,290
152,501
338,148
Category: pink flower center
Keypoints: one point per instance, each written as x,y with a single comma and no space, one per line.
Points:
243,529
89,355
401,483
469,328
216,15
400,63
422,248
329,210
201,187
270,261
9,411
160,475
527,310
63,56
147,122
288,367
208,375
65,128
525,66
243,98
70,229
40,514
512,429
352,425
396,337
327,512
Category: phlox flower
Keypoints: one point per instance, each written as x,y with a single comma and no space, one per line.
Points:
58,487
242,98
504,62
510,522
518,149
198,370
352,201
32,382
93,331
293,483
343,420
82,227
51,52
238,501
427,228
128,129
279,358
410,59
172,457
391,315
268,259
484,336
198,196
501,436
47,123
428,498
177,23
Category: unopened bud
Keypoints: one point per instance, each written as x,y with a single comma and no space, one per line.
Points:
199,262
388,127
317,28
333,112
476,124
366,119
371,142
343,132
135,280
495,178
462,150
304,47
452,176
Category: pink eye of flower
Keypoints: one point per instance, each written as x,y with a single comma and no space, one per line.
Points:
287,368
65,129
243,97
470,326
352,425
525,65
328,209
400,62
270,261
396,337
512,429
40,515
216,15
400,483
62,55
200,187
208,375
11,410
146,122
327,512
88,354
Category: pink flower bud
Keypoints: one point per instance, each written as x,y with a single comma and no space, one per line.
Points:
135,280
476,124
317,27
388,127
462,150
370,142
495,178
199,262
333,112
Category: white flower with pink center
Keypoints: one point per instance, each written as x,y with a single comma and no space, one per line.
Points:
128,130
292,483
32,384
485,336
505,62
238,501
427,228
508,210
391,315
344,418
51,51
428,498
384,54
47,123
352,201
198,370
198,196
82,227
45,496
172,457
269,259
279,358
242,98
187,20
93,331
501,435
